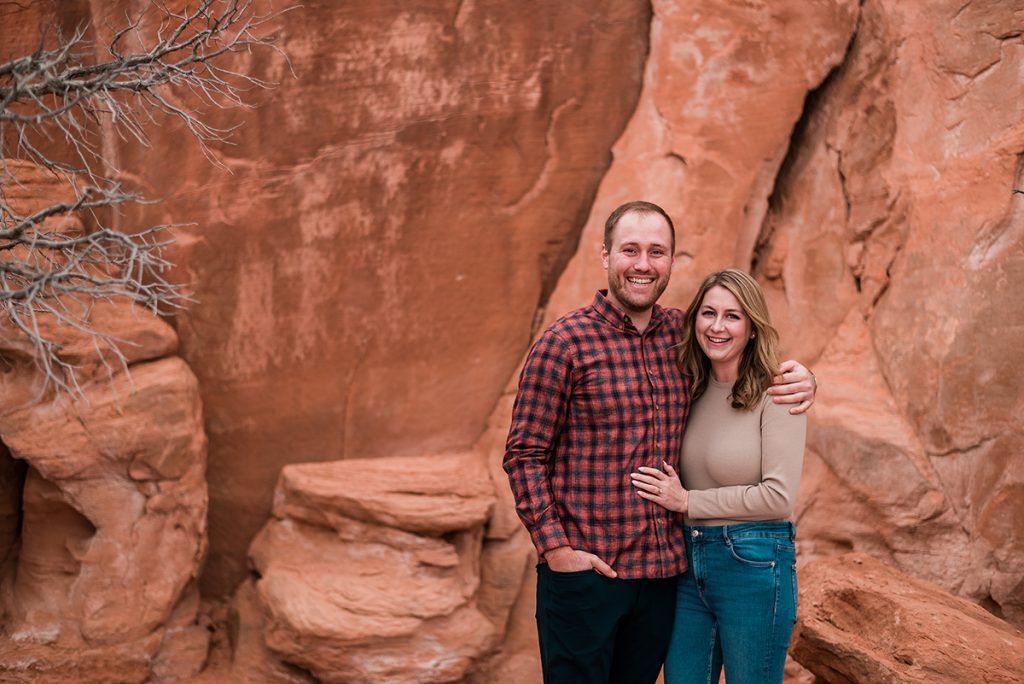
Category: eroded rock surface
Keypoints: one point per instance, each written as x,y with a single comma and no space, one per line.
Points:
393,216
104,495
893,238
113,531
862,620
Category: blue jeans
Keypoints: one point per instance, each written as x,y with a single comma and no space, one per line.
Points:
736,604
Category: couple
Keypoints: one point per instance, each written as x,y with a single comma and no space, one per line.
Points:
635,570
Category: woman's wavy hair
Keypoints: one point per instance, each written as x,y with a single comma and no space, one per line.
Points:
759,361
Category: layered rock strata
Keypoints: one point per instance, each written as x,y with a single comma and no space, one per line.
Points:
103,582
104,496
377,570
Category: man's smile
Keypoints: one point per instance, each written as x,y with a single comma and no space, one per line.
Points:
640,280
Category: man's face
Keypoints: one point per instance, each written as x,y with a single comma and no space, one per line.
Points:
638,261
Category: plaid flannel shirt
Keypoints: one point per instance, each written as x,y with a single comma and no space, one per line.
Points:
597,400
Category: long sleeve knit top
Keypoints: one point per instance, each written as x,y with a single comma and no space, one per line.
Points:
741,466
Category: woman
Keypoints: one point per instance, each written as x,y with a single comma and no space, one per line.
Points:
741,462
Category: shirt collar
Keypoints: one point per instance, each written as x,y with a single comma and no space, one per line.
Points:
605,309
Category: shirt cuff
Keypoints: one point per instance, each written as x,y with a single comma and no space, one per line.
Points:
548,536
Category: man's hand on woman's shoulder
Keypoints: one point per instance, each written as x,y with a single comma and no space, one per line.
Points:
794,384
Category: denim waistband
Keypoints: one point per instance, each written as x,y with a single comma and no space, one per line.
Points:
763,530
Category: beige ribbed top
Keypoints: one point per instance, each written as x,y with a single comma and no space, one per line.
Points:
741,465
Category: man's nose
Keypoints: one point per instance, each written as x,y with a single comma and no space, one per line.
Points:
642,263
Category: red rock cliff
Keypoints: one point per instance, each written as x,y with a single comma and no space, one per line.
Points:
428,182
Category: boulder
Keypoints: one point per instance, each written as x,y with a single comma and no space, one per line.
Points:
861,620
371,571
412,494
103,496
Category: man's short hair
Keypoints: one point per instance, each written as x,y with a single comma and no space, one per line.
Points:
636,207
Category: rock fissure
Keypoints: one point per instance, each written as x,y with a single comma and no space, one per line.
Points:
815,99
551,160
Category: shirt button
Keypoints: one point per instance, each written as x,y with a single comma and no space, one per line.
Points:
694,534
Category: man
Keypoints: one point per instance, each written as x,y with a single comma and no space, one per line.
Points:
600,395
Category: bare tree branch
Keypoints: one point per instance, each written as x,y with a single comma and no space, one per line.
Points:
56,106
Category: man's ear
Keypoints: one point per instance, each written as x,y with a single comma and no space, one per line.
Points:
604,256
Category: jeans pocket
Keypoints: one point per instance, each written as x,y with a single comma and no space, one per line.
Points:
753,551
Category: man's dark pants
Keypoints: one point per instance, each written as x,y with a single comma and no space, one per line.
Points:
594,629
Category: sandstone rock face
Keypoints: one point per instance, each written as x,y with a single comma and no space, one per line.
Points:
431,188
883,226
919,458
861,620
884,234
131,334
724,86
370,269
376,570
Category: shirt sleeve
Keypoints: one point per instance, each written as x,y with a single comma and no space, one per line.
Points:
782,457
538,416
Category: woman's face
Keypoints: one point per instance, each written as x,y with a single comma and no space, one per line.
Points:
723,330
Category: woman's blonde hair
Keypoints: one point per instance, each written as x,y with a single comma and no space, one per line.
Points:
759,361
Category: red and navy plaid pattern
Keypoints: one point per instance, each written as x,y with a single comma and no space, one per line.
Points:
596,401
